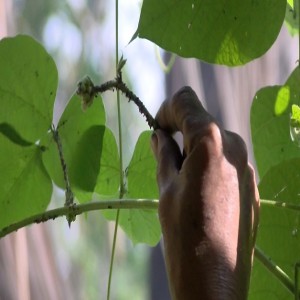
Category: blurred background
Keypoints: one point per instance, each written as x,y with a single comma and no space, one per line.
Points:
53,261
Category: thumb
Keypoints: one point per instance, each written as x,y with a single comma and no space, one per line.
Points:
168,156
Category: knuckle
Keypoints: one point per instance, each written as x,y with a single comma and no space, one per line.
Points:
209,134
236,149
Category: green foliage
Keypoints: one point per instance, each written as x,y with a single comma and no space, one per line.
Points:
27,92
231,33
279,229
221,32
270,123
28,83
295,116
278,162
30,153
25,187
140,225
81,134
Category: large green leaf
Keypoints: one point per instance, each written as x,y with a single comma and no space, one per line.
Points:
270,123
25,187
28,82
230,32
279,230
82,137
140,225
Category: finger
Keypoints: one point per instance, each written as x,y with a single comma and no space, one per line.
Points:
184,112
168,157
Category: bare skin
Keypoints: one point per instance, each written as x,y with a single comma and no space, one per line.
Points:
209,203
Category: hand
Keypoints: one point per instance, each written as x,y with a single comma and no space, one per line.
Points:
209,203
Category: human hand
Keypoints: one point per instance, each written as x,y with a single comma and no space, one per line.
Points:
209,203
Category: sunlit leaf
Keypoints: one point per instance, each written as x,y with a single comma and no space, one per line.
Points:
272,143
292,17
224,32
28,83
25,187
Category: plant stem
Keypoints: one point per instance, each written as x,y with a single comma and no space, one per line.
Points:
79,209
122,188
69,194
280,204
275,270
120,85
113,254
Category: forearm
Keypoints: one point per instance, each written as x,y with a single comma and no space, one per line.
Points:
203,272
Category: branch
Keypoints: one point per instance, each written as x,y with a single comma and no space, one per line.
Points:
88,91
78,209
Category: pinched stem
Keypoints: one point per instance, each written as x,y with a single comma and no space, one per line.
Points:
87,90
118,84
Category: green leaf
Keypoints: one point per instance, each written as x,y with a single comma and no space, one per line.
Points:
223,32
108,180
141,172
82,138
279,229
26,187
292,17
28,83
295,117
270,123
140,225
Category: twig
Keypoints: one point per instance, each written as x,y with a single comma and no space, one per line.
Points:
87,90
78,209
